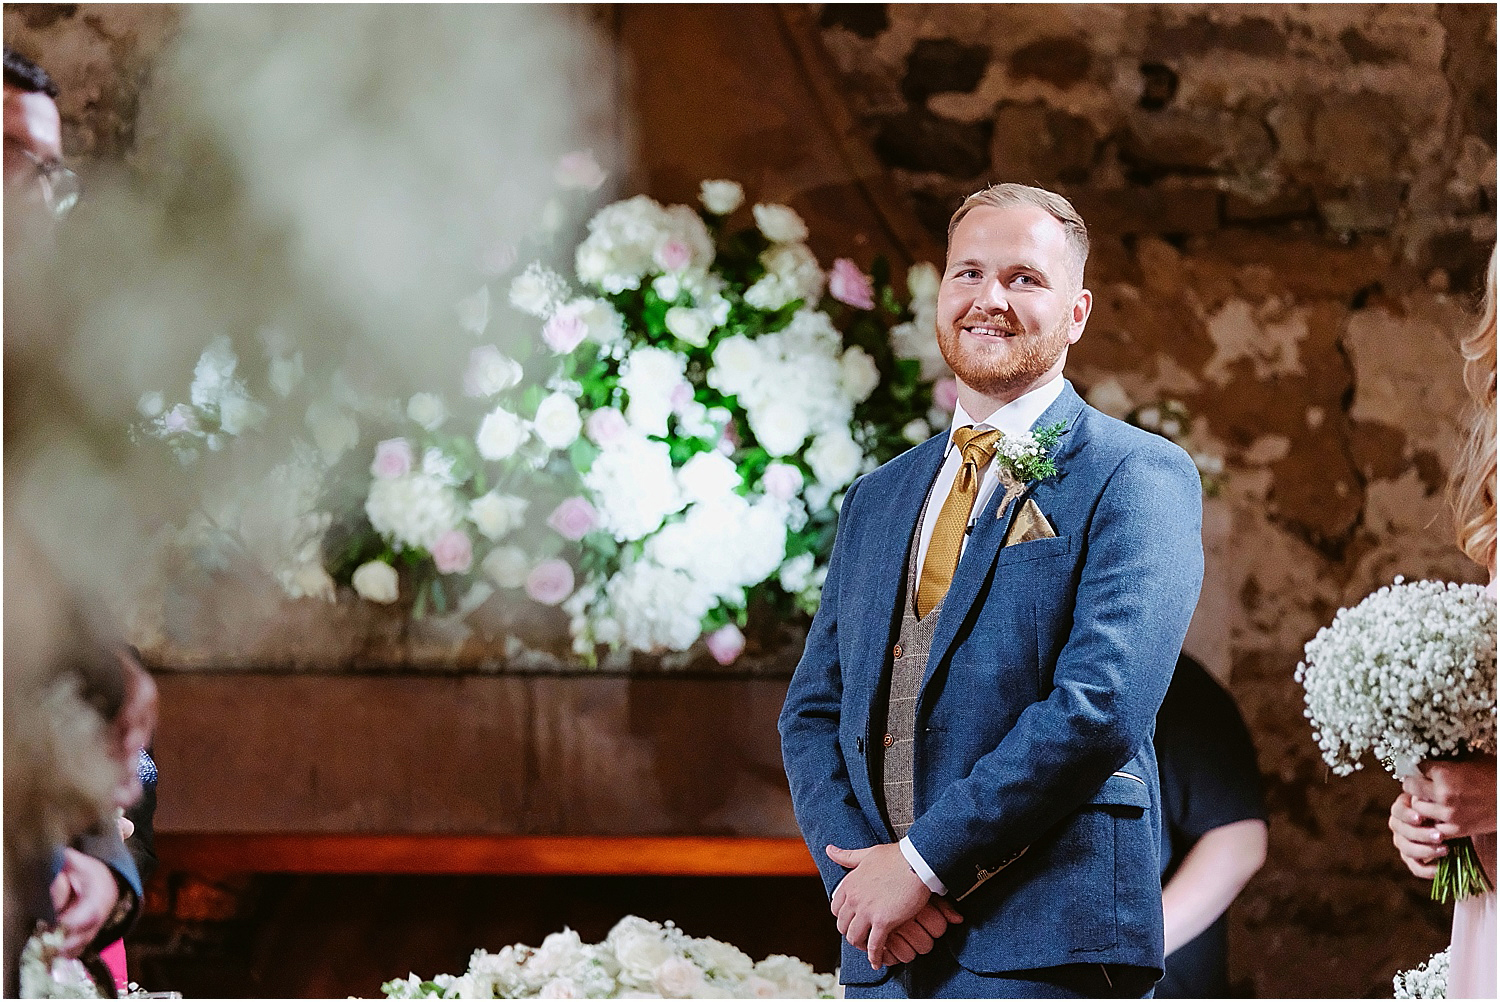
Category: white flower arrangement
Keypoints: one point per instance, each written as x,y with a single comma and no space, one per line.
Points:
658,444
1407,674
1428,980
638,959
45,973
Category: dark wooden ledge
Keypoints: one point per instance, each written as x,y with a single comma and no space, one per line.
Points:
554,855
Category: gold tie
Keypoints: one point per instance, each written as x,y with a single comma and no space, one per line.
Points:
978,448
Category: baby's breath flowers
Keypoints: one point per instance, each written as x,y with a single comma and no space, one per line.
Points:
1027,455
1426,981
1407,674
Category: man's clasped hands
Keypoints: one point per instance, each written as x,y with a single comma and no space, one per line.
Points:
883,908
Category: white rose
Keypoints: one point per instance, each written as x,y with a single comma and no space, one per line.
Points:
858,374
690,325
640,949
495,514
474,311
603,321
500,434
780,224
427,410
557,421
376,581
490,371
333,431
648,377
721,197
507,566
286,372
916,431
310,580
678,978
834,457
737,363
239,414
708,476
537,290
780,426
923,280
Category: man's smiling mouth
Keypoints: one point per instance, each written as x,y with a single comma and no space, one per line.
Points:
996,331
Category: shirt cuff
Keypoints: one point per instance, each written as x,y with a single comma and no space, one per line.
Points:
921,869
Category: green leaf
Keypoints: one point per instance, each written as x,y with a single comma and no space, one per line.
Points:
439,597
582,454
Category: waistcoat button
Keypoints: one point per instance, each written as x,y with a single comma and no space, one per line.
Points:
897,652
888,740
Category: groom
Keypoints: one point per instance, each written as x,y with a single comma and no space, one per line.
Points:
968,733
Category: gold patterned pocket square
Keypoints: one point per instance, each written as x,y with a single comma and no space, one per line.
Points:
1030,525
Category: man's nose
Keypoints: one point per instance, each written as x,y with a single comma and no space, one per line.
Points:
991,296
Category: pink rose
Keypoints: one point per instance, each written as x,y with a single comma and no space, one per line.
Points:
945,394
674,255
606,426
498,259
393,458
782,481
179,418
725,644
453,553
574,518
682,395
565,330
850,286
579,170
550,582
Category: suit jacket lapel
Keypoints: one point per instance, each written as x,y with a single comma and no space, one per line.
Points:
978,561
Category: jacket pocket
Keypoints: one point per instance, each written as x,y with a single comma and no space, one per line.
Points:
1053,546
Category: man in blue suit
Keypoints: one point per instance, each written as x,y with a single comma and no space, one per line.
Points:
968,733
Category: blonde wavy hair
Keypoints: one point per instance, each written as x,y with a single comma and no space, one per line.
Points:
1471,488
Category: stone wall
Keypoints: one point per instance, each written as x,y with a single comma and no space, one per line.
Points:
1291,208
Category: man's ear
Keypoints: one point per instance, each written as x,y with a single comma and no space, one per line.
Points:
1079,317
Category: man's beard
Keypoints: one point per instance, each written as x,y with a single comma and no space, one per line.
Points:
1027,357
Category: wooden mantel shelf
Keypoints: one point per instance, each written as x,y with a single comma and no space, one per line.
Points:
552,855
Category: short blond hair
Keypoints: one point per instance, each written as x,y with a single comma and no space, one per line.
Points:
1059,208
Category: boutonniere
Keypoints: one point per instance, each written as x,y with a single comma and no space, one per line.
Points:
1027,456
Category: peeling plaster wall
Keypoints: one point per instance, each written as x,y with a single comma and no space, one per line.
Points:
1291,209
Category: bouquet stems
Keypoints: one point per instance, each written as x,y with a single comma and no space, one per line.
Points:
1459,874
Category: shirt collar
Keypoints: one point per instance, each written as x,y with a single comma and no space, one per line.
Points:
1015,417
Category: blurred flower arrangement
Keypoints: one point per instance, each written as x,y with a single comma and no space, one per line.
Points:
661,444
638,959
1428,980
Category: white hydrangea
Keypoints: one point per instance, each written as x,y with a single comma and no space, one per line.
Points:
708,476
634,486
629,240
792,272
1428,980
657,608
1408,674
538,290
835,457
649,376
724,545
413,510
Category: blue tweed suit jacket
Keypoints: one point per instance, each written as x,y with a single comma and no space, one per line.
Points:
1036,714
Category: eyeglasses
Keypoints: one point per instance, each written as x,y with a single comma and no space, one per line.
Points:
61,188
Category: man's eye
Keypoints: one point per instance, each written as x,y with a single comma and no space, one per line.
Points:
1026,279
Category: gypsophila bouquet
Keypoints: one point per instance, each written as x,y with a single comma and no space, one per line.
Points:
638,959
1407,674
1425,981
45,973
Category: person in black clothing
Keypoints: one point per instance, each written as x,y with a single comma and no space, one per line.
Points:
1216,828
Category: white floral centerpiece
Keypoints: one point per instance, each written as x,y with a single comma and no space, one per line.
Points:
1408,674
661,443
638,959
1428,980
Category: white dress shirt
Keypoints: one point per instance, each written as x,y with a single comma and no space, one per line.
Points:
1014,418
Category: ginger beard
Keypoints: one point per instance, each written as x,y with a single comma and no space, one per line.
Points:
998,366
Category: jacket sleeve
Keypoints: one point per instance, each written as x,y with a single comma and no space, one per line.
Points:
105,845
1142,569
822,797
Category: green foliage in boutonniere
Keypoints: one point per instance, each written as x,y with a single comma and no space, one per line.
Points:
1028,456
